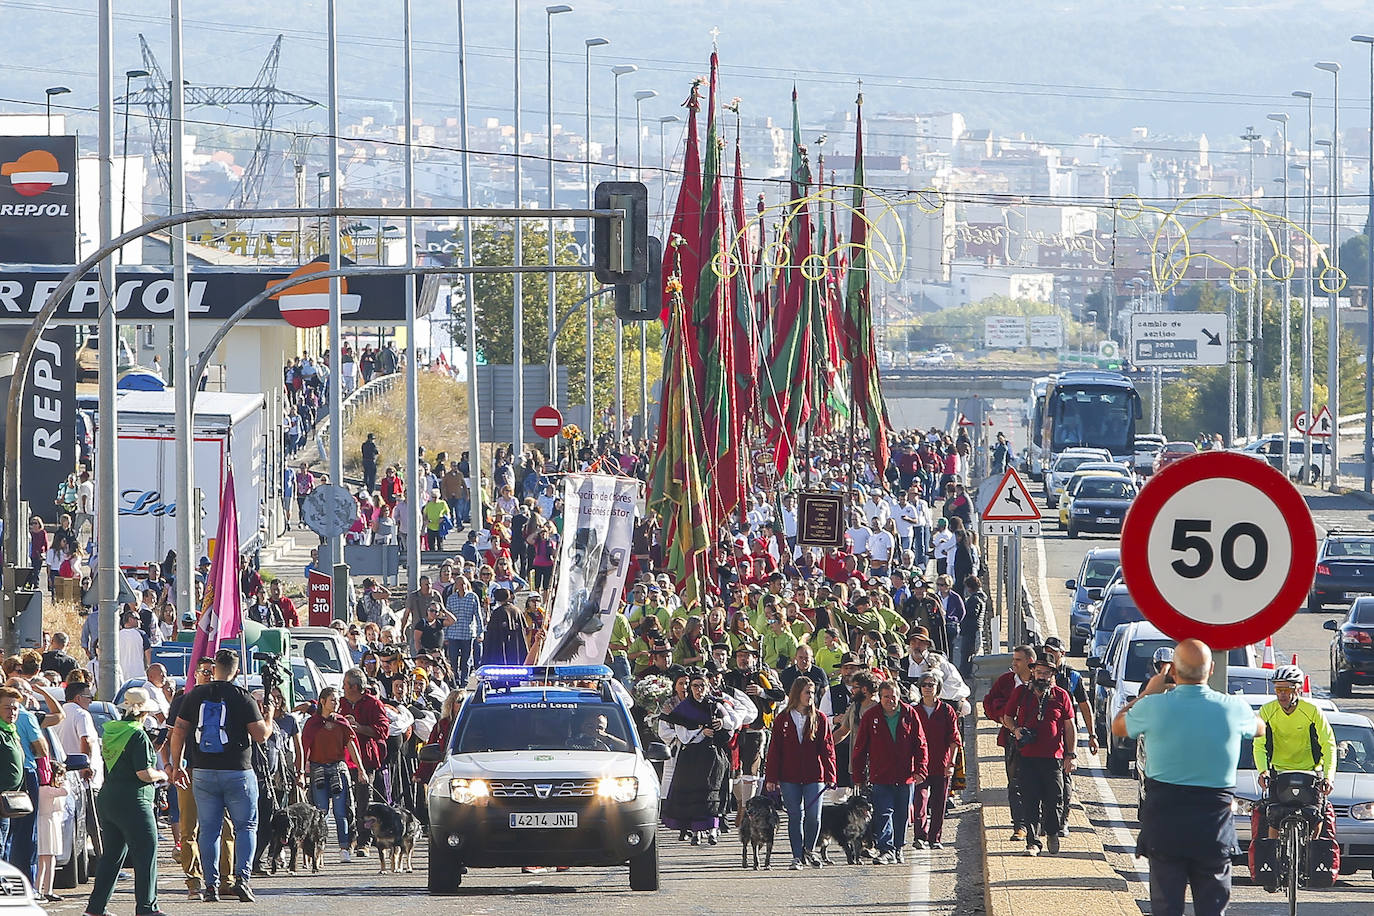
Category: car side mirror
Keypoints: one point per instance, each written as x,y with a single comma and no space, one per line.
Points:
657,752
1331,625
432,753
1071,585
1104,679
1094,662
1094,594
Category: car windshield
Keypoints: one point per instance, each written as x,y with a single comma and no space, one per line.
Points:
1099,571
323,652
1354,750
1118,610
542,725
1237,683
1358,548
1105,489
1362,613
1181,448
301,682
1070,463
1140,658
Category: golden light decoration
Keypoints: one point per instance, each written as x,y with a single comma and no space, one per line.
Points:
571,432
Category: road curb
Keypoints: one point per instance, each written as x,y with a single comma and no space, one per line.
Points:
1015,883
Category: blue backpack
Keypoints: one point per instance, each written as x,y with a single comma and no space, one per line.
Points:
211,736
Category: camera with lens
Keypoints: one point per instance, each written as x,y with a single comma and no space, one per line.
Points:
1028,736
271,672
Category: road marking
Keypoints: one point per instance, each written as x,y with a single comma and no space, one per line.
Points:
1051,625
918,885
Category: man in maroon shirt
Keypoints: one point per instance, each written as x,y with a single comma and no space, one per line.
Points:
891,744
1040,720
994,707
366,714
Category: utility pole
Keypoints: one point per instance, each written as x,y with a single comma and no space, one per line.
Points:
1285,312
1308,186
1250,420
1333,320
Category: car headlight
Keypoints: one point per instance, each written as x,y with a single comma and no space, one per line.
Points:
618,788
467,791
1363,811
1080,511
1243,807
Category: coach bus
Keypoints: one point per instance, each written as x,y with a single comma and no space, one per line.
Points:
1036,455
1089,408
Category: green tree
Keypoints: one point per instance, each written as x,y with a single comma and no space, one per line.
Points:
494,244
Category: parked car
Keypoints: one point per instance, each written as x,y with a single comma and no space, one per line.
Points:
1351,790
1173,451
1099,504
327,648
1121,674
88,358
16,894
80,848
1270,449
1345,566
1117,607
1063,467
1352,648
1098,566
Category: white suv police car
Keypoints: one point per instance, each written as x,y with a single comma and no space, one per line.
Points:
544,767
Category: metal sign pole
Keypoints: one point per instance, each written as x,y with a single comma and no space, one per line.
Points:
107,433
188,521
412,457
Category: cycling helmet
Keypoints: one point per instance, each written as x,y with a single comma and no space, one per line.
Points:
1288,673
1162,655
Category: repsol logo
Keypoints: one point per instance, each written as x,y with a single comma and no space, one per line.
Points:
34,210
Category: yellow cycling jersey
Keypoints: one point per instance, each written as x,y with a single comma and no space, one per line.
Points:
1300,740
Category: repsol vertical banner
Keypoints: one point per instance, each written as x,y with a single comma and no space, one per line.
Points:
598,527
38,200
48,447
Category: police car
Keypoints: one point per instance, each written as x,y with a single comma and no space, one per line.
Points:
544,767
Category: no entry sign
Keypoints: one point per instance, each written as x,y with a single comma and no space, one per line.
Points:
547,421
1219,547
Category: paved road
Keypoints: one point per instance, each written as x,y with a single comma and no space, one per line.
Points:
1110,802
694,880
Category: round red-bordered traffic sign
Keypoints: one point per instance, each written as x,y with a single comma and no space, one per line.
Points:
547,421
1219,547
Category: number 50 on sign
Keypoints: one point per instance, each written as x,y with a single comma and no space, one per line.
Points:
1219,547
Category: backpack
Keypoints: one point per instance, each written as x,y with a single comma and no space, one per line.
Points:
211,736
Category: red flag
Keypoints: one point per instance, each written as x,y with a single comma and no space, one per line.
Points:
221,615
687,214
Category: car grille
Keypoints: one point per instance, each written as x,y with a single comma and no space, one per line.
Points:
558,788
12,886
1342,810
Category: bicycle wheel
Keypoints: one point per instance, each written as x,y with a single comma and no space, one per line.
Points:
1292,841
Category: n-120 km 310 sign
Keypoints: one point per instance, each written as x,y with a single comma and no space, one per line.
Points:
1219,547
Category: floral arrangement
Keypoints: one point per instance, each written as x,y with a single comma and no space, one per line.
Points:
650,692
571,432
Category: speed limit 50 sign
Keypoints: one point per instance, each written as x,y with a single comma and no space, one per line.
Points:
1219,547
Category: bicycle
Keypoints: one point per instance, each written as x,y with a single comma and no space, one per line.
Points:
1295,804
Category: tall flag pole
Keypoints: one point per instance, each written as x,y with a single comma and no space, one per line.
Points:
745,348
686,222
860,348
713,318
789,362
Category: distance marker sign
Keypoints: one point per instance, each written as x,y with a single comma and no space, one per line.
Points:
1219,547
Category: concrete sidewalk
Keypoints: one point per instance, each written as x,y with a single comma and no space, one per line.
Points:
1017,883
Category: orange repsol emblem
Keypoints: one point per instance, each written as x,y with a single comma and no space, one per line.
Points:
31,174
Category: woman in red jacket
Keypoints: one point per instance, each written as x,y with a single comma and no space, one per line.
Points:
890,746
943,740
801,761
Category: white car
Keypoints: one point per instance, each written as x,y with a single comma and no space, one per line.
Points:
1065,463
327,648
1129,663
544,766
16,894
1270,449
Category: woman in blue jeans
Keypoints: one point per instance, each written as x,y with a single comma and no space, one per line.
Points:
801,761
326,738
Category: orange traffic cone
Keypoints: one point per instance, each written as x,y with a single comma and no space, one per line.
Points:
1268,661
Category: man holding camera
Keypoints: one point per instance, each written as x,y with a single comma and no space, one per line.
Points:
1040,719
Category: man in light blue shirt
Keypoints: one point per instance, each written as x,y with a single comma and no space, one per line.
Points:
1193,735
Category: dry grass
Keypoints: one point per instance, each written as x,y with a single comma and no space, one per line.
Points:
65,617
443,423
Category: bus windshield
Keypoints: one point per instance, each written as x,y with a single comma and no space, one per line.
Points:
1095,416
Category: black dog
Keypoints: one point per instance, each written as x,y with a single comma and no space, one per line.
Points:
758,825
303,829
394,832
847,824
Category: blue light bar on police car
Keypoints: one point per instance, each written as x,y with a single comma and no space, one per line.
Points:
543,672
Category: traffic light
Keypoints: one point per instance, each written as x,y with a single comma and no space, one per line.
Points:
620,249
643,301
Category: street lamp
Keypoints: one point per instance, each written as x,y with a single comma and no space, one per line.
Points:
1333,321
1369,293
663,122
1309,183
641,97
47,104
517,431
587,180
549,13
1286,340
618,71
129,77
1251,425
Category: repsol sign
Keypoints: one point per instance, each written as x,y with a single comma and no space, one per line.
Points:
34,210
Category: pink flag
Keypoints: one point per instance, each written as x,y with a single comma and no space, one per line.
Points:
221,615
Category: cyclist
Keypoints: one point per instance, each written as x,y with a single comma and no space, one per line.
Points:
1297,736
